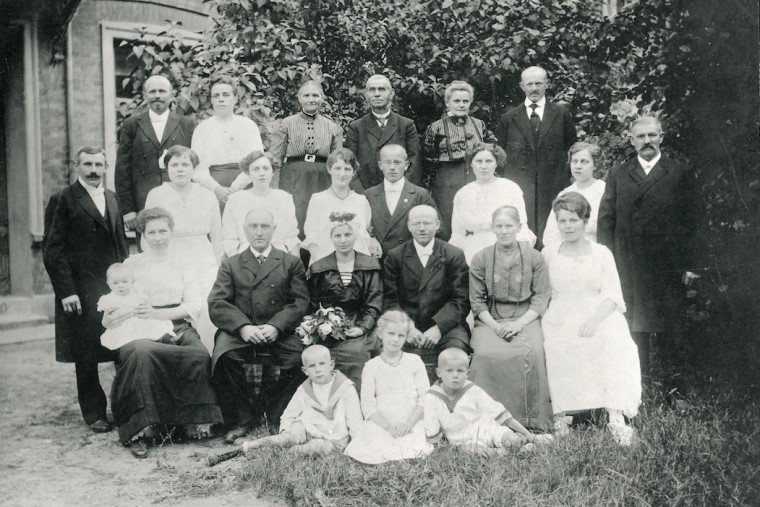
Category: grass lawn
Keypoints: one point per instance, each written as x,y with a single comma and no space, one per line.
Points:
703,452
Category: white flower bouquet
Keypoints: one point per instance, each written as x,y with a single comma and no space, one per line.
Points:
330,322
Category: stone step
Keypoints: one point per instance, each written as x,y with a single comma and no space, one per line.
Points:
27,334
22,320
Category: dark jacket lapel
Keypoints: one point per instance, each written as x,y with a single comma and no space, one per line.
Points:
372,127
147,127
550,115
405,201
390,128
412,261
112,206
171,125
270,264
520,117
434,263
86,202
250,263
659,171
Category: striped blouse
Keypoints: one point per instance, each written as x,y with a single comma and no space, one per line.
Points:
301,134
447,139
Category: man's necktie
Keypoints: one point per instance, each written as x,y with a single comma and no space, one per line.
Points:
261,259
535,120
381,123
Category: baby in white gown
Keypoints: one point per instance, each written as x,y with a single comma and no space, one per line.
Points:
124,295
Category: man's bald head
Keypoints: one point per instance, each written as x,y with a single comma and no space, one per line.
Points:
423,223
259,227
158,92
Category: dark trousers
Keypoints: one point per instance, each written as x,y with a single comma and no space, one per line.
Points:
92,398
240,406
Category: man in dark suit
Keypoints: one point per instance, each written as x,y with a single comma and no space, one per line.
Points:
258,299
647,219
84,234
536,136
143,139
428,279
380,127
392,199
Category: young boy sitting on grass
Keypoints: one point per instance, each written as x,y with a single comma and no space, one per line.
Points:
322,412
467,416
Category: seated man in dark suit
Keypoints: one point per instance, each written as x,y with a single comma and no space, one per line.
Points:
392,199
258,299
428,279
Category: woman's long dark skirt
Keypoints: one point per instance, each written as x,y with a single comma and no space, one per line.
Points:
163,383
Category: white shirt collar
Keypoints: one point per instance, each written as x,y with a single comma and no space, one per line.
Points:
158,118
381,116
424,250
99,190
394,187
650,163
541,103
265,253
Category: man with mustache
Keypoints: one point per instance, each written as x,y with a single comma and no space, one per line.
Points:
380,127
647,218
536,136
143,140
84,234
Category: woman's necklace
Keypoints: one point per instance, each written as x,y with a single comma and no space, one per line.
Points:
492,295
392,364
338,196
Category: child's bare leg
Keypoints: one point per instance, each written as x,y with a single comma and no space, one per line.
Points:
282,440
314,447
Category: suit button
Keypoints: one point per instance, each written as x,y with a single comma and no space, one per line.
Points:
272,286
400,241
272,301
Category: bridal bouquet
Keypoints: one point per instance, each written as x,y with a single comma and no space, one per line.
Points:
330,322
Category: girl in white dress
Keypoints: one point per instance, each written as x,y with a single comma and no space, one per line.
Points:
339,199
258,166
475,202
393,390
585,159
124,296
591,359
197,226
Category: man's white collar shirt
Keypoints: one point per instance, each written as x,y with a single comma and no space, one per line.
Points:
97,194
393,193
649,165
424,252
159,122
381,119
539,110
265,253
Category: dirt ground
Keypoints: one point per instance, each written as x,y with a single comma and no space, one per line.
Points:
50,457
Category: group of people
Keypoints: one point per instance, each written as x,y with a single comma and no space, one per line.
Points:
238,244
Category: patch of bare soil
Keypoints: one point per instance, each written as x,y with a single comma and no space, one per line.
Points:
50,457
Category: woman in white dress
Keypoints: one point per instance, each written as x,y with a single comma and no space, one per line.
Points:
197,226
591,359
259,167
222,140
585,160
337,200
475,202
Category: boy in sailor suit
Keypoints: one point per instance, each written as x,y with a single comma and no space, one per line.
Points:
322,413
466,415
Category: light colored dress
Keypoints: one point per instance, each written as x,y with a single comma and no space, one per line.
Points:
196,216
593,195
601,371
133,328
473,206
279,203
224,143
394,391
318,225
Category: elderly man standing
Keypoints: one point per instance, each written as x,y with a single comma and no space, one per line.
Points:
143,140
429,279
84,235
536,136
259,298
647,219
378,128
